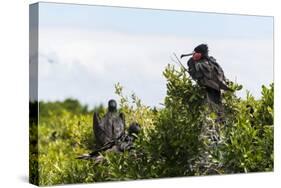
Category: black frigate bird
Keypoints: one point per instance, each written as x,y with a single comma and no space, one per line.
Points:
107,131
111,127
207,72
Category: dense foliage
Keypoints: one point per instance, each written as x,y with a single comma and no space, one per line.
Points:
185,137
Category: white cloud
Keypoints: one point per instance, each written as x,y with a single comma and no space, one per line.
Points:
88,64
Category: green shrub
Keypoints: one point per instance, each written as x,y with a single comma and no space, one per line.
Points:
182,138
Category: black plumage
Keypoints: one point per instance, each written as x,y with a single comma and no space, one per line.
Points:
208,73
111,127
110,133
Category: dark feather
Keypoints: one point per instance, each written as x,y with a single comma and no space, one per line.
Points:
213,95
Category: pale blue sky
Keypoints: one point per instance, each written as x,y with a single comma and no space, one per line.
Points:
149,21
88,43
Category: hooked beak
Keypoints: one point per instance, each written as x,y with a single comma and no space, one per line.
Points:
184,55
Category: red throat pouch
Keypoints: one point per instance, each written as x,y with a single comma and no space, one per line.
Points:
196,56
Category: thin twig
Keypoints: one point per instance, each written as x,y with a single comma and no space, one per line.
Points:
179,62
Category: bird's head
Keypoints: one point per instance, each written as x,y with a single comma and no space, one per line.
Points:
200,51
134,128
112,105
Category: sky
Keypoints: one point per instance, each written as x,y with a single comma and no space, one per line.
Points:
85,50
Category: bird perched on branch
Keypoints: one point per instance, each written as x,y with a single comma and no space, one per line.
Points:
111,127
207,72
110,133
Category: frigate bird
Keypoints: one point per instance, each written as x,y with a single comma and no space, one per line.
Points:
207,72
